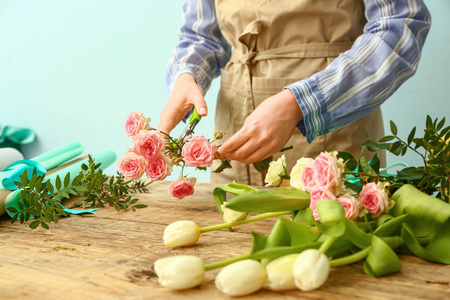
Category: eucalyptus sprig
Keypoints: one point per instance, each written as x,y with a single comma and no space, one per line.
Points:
41,199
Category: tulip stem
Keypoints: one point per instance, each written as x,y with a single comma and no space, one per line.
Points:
226,262
351,259
244,221
327,244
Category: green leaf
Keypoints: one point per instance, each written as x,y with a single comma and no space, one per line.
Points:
393,128
356,235
375,163
67,180
349,160
366,168
274,252
386,139
411,135
58,183
24,178
44,225
381,260
279,236
305,216
225,164
140,206
388,228
34,224
49,186
300,233
332,217
12,210
259,241
270,200
263,165
425,213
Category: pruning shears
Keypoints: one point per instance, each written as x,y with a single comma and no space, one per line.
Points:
193,121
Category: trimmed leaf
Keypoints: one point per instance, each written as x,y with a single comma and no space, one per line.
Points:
381,260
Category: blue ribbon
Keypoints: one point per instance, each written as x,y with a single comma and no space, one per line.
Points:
30,165
15,173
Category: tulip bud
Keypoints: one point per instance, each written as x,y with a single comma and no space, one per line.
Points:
241,278
280,274
180,272
311,269
181,233
231,215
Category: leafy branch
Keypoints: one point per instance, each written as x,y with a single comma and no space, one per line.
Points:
41,199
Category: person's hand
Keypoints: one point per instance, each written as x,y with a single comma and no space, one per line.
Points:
185,94
265,131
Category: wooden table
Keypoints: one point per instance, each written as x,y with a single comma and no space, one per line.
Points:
110,255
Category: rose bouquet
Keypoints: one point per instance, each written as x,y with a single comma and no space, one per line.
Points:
155,153
342,211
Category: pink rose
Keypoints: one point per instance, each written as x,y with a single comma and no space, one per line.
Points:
182,187
318,193
158,168
135,123
374,198
198,152
131,165
351,206
327,172
148,144
308,176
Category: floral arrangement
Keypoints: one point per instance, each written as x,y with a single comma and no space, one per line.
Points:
342,211
155,153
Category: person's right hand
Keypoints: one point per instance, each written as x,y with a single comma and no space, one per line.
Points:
185,94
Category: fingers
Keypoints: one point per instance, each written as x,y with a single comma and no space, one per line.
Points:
228,149
186,94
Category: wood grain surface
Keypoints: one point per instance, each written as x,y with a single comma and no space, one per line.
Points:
110,255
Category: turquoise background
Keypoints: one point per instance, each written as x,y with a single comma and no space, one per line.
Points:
73,70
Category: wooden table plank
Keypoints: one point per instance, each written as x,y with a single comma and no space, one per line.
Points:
110,255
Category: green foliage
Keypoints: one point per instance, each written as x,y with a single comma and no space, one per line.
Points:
41,199
434,150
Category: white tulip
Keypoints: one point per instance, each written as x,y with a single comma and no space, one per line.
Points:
241,278
311,269
231,215
180,272
181,233
280,274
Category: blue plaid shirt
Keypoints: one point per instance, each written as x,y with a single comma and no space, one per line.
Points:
353,85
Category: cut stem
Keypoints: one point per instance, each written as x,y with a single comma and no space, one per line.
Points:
245,221
351,259
226,262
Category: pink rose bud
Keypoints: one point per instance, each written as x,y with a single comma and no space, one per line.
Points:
374,198
351,206
182,187
135,123
327,172
131,165
158,168
318,193
148,144
198,152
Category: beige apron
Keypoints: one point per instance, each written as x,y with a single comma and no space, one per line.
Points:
275,44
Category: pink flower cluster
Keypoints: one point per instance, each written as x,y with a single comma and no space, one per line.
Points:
153,154
322,178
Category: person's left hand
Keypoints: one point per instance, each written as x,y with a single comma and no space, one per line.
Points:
265,131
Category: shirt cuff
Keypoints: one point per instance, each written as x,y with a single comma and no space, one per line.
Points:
316,118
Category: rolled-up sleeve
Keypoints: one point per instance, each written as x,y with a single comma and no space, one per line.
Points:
361,79
201,50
